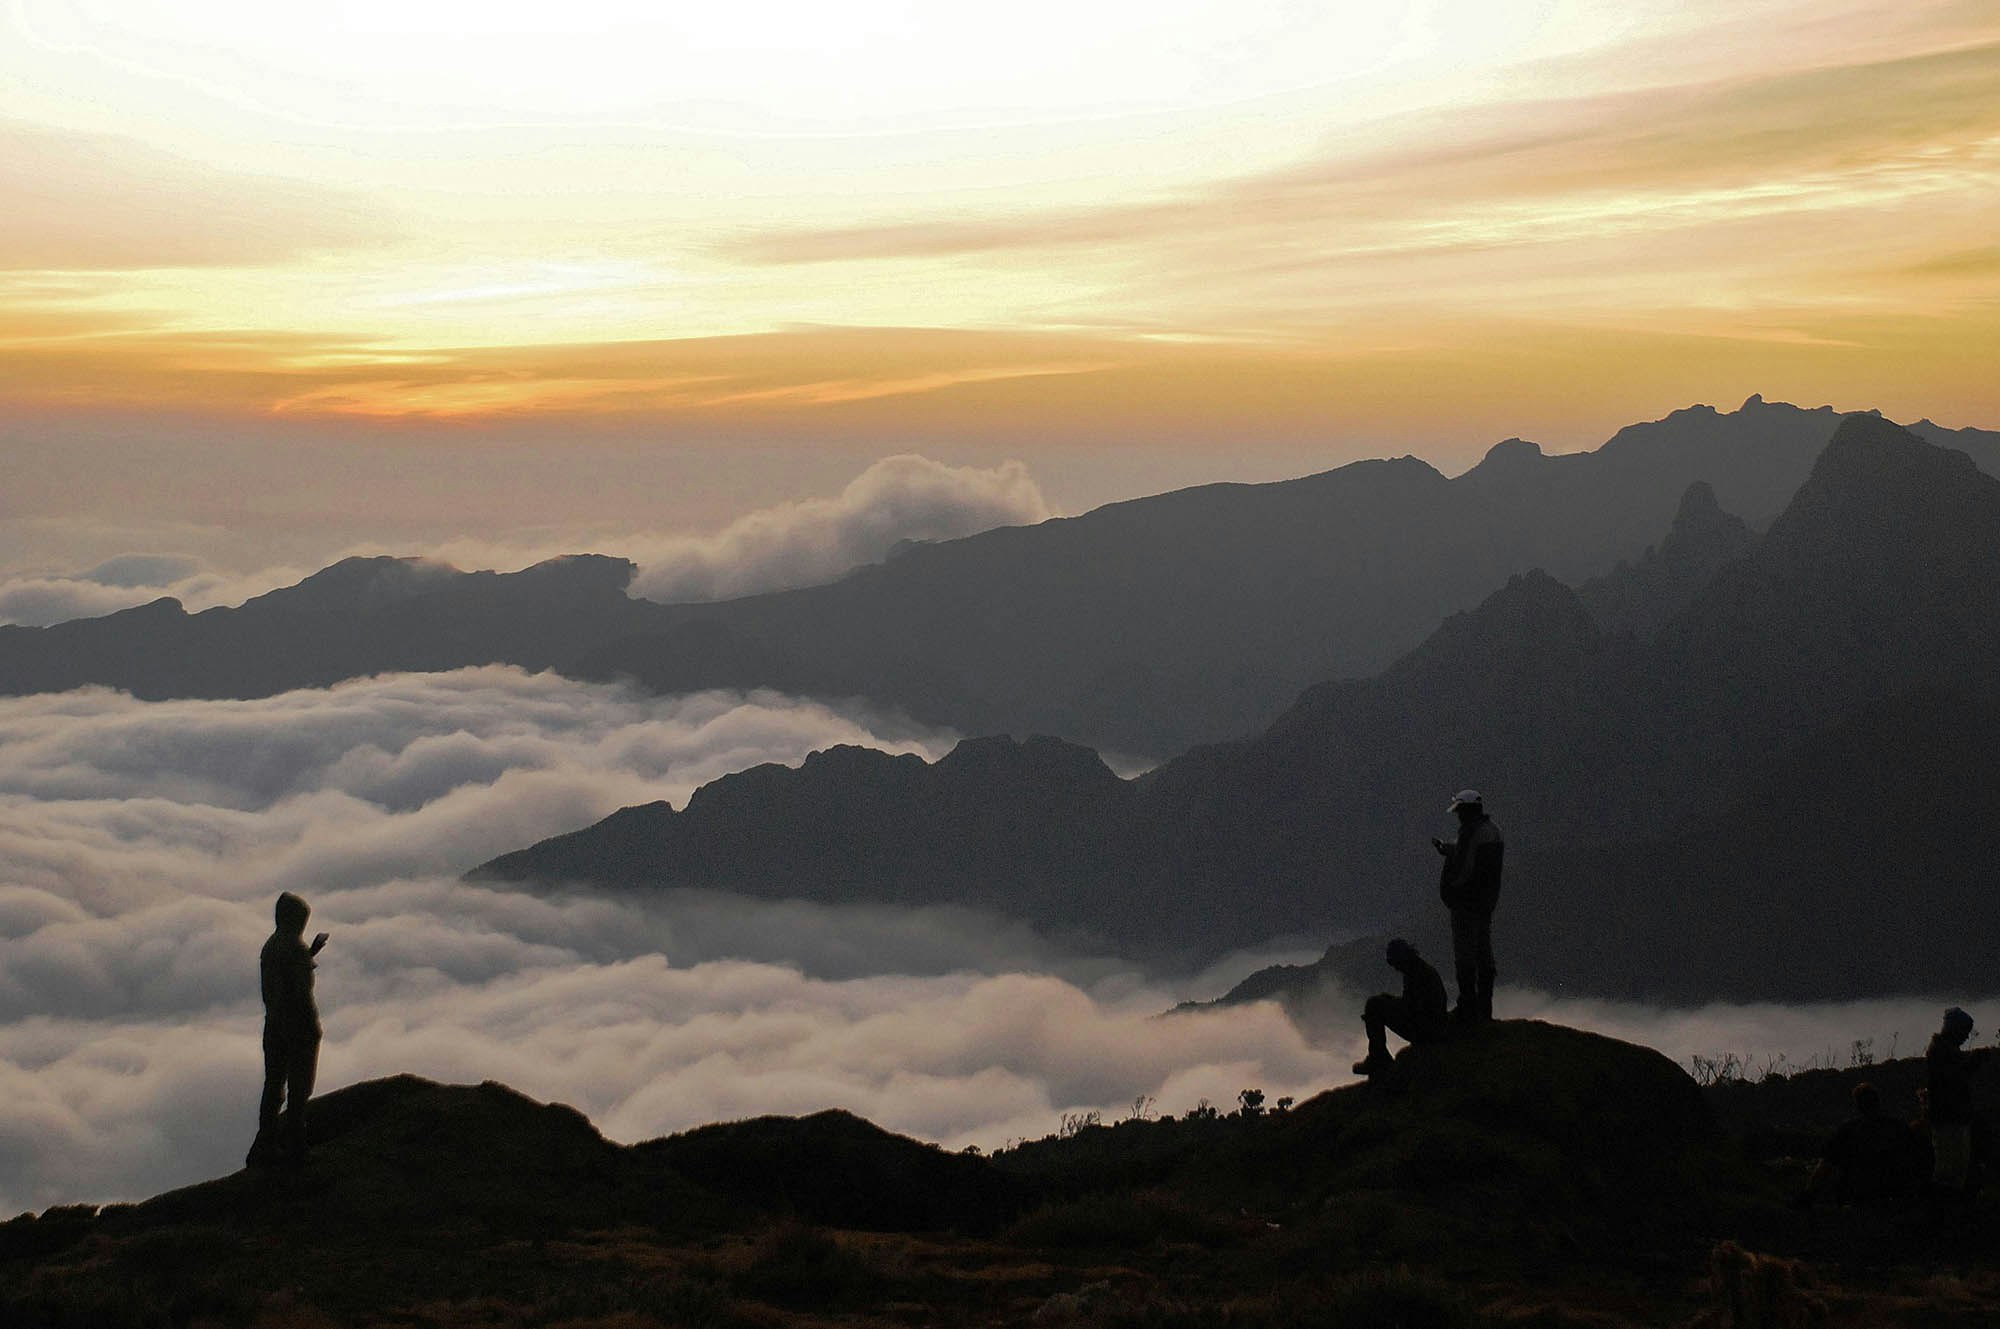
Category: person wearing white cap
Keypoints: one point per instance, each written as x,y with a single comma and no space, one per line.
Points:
1470,887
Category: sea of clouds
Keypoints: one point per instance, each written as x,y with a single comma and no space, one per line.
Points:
801,543
143,843
141,846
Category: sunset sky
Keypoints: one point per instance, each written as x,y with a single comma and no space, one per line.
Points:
673,260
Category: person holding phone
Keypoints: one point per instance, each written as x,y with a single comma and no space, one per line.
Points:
291,1035
1470,886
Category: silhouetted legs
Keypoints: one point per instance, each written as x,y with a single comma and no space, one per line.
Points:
1391,1014
1951,1150
290,1066
1472,958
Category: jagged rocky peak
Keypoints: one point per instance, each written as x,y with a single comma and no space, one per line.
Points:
1529,627
1531,601
1702,528
1867,448
1697,504
1641,597
1879,491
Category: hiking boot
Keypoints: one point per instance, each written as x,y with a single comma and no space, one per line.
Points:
1374,1064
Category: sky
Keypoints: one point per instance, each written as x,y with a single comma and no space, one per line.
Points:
410,271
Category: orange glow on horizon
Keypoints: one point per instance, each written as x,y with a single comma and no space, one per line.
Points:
1628,206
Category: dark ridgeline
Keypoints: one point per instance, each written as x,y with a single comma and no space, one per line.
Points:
1143,626
358,617
418,1196
1774,795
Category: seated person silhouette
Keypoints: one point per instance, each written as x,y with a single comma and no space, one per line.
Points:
1871,1159
291,1035
1419,1015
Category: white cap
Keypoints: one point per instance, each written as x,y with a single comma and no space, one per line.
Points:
1463,797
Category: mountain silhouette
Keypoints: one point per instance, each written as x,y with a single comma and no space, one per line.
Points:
358,617
1140,627
1641,596
1861,629
1154,624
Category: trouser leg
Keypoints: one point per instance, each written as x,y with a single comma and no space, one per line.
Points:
1472,962
301,1069
1489,973
274,1093
1374,1017
1465,960
268,1104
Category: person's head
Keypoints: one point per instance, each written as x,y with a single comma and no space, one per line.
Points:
292,914
1957,1026
1466,805
1867,1101
1401,953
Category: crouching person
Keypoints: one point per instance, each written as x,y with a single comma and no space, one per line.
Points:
1419,1015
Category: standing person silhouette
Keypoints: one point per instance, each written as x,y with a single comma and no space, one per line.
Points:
291,1035
1948,1078
1470,887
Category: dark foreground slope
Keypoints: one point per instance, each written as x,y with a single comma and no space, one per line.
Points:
1142,626
1530,1175
1777,763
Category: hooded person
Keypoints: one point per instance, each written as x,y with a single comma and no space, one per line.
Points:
1948,1085
1469,884
291,1034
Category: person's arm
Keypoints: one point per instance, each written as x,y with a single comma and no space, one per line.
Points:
319,944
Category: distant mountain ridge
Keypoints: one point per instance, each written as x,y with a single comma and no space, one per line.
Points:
1864,627
1140,627
358,617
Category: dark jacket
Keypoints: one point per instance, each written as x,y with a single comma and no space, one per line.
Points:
1423,991
1471,876
285,971
1948,1076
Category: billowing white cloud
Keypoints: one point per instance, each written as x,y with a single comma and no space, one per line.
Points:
799,544
802,543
